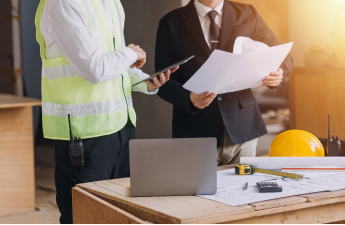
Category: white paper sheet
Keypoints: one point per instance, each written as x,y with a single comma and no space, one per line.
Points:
276,163
226,72
329,181
228,178
231,192
236,196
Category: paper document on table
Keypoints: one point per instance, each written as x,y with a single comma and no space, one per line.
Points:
231,189
228,178
226,72
329,181
236,196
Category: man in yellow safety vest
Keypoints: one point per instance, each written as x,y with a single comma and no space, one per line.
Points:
88,74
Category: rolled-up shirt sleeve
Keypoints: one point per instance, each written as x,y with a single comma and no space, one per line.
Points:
69,29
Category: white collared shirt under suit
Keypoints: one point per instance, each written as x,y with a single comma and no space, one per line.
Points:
227,153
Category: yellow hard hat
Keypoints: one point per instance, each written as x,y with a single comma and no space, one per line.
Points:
296,143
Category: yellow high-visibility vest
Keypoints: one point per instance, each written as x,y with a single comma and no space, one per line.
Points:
95,109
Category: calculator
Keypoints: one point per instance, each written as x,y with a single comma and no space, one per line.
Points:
267,187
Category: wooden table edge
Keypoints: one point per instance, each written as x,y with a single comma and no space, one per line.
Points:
19,105
128,203
246,215
239,216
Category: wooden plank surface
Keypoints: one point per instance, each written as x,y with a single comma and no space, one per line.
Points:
277,203
306,205
17,185
315,197
12,101
175,209
314,93
192,209
88,209
309,215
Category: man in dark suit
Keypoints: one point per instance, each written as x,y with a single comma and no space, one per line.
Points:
233,118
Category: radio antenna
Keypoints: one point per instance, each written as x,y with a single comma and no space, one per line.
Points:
329,127
70,128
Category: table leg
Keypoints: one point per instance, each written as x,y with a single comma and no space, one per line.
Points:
17,177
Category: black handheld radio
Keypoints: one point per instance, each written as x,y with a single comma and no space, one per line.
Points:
76,148
333,143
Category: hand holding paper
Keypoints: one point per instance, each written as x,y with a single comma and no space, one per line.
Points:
274,79
226,72
202,101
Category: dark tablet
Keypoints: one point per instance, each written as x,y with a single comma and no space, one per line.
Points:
164,70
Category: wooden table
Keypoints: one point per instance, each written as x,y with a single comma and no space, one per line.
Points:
17,178
110,202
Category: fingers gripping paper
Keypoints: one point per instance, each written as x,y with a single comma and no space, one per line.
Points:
226,72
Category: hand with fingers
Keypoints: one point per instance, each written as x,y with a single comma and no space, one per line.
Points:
141,56
202,101
274,79
158,82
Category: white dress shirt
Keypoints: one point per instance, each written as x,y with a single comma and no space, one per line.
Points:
66,33
205,21
107,9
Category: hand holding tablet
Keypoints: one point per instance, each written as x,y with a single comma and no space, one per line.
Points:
164,70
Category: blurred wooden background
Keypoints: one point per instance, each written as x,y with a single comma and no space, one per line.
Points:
275,14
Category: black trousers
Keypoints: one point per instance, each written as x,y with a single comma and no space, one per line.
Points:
106,157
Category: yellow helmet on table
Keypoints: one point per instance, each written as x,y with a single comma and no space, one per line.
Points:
296,143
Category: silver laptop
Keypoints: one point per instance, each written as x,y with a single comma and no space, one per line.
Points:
173,167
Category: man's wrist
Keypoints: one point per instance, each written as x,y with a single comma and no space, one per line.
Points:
192,107
152,92
131,55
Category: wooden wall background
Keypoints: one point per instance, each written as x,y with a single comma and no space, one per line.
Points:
340,36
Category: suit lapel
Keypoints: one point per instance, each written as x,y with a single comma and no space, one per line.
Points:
194,26
228,24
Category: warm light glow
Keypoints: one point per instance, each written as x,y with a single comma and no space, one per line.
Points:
314,23
340,36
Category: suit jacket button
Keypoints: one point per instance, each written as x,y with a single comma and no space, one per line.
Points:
220,97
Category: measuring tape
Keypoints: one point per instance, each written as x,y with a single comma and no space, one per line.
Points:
313,168
248,169
277,173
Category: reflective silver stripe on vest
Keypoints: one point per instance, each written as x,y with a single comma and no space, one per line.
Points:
129,101
86,109
58,72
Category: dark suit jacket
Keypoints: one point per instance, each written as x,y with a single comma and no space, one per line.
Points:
180,36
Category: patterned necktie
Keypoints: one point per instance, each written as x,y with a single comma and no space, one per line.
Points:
214,30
